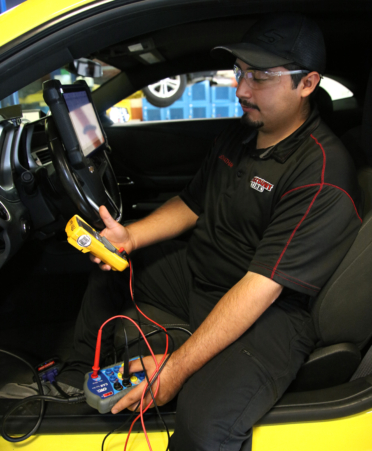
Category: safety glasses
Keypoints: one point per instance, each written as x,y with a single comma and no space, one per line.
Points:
261,79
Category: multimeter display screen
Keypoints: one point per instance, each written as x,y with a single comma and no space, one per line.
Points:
85,226
84,121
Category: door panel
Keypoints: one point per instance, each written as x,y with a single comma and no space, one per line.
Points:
153,161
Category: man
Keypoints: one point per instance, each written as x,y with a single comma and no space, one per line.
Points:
272,216
272,213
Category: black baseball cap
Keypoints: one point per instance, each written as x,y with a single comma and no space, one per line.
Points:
280,39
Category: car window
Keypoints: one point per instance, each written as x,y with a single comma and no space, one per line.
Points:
335,89
31,96
198,95
189,96
193,96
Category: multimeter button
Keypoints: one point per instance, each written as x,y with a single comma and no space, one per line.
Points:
109,372
118,386
134,380
113,378
116,369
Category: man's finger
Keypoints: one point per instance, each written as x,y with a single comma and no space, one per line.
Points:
107,218
105,267
146,401
94,259
133,397
134,407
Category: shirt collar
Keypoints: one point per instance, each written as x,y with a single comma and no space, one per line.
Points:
285,148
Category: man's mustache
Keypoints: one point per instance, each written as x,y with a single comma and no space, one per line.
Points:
248,104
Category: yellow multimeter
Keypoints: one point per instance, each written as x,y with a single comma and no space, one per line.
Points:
86,239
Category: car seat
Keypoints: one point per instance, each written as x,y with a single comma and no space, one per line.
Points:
331,384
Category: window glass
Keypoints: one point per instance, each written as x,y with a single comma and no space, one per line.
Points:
193,96
31,96
199,95
335,89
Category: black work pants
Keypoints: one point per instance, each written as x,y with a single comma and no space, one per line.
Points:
220,403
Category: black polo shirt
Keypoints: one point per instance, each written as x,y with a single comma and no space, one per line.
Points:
288,212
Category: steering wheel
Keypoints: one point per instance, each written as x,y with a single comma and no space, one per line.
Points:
90,184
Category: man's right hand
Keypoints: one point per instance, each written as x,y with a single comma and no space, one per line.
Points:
117,234
167,222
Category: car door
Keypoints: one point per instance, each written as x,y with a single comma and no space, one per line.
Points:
154,159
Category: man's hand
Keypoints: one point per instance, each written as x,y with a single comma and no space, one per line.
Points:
168,221
233,315
115,233
170,384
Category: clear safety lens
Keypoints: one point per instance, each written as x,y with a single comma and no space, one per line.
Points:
260,79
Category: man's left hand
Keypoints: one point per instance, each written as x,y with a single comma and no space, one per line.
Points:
170,384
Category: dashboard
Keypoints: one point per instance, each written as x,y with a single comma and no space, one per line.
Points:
14,217
53,167
28,195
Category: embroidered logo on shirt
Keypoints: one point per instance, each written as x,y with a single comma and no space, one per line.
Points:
260,184
226,160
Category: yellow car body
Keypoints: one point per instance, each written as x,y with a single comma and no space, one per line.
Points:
345,434
352,433
33,13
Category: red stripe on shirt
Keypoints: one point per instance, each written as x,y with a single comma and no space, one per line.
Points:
326,184
307,211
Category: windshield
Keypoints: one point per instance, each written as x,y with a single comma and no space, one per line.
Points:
31,96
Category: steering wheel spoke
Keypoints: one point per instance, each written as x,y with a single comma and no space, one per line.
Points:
91,185
103,168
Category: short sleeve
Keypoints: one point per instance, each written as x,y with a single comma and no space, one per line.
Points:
311,230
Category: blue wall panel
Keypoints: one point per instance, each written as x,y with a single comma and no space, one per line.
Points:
197,102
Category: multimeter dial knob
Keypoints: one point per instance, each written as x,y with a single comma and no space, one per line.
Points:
84,240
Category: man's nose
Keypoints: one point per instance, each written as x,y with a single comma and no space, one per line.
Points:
243,90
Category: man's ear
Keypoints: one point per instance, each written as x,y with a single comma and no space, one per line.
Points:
309,83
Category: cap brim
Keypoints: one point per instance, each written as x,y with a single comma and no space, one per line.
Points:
251,54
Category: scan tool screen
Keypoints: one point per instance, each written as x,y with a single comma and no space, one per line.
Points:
84,121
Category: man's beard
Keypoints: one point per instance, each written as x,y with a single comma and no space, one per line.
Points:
245,120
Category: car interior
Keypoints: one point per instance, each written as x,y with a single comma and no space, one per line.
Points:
43,278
